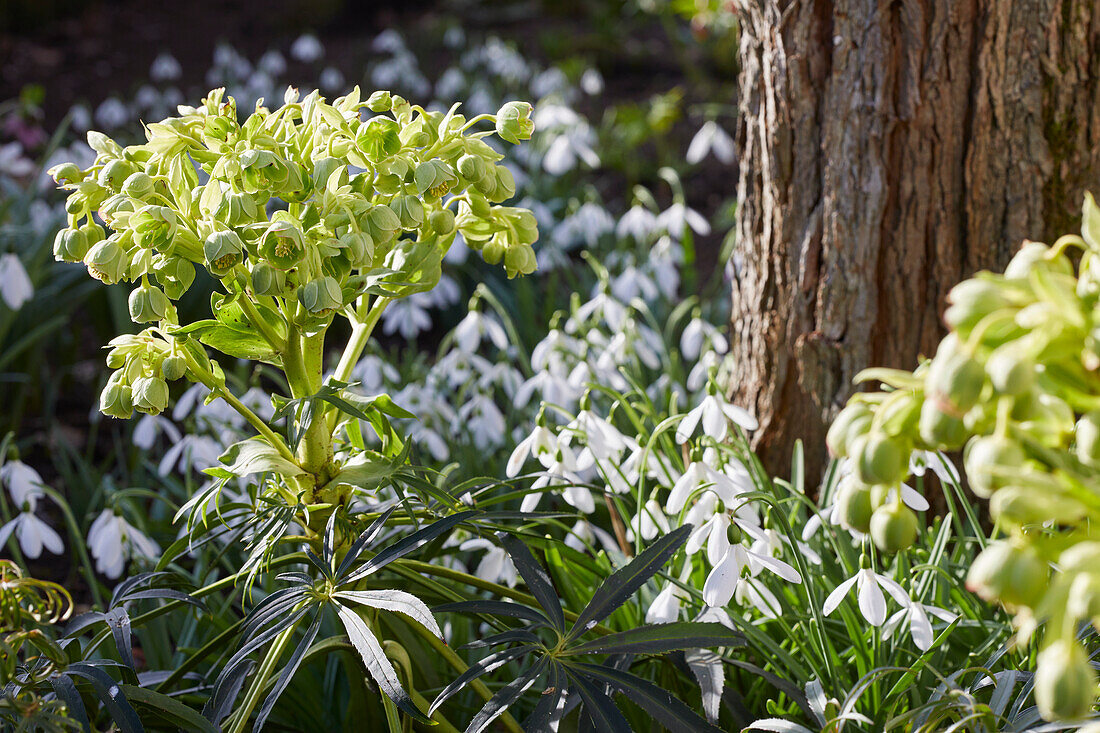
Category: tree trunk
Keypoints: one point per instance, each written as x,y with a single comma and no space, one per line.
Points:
889,150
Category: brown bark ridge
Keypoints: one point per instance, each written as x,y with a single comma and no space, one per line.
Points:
889,149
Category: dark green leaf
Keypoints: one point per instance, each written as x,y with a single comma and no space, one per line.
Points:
474,671
171,710
505,697
495,608
598,706
660,638
665,708
536,577
408,544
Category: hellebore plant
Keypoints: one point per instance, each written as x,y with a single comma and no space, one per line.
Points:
1015,384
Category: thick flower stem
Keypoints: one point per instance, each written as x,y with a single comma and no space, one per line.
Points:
302,366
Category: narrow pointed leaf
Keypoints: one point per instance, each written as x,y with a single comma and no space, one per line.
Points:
288,672
657,701
111,695
505,697
598,706
408,544
660,638
397,601
486,665
495,608
65,689
539,719
536,577
169,709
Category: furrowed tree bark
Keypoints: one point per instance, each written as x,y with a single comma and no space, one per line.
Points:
890,149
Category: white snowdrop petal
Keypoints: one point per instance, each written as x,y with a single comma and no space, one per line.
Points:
834,599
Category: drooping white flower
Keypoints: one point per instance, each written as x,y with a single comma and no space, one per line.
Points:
482,419
750,591
678,218
945,470
540,444
15,285
150,426
12,161
112,541
272,63
724,577
112,113
600,308
697,333
585,535
715,414
496,566
307,49
699,476
869,586
648,522
563,470
475,328
711,139
165,67
408,316
665,608
31,532
638,222
600,437
920,627
23,482
591,82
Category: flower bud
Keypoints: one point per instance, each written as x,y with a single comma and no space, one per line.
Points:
1032,255
222,251
514,122
378,138
880,459
236,208
442,222
955,379
173,367
379,102
893,527
70,245
382,224
268,280
972,300
938,430
493,251
1010,369
503,185
282,244
359,247
852,421
217,128
1024,505
1086,443
150,395
409,211
175,275
148,304
1065,683
114,173
115,400
66,174
519,259
853,504
321,296
991,461
473,168
138,185
1008,572
107,261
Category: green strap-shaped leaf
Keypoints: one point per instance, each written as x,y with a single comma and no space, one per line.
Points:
536,577
408,544
486,665
495,608
505,697
666,709
397,601
624,582
599,708
171,710
660,638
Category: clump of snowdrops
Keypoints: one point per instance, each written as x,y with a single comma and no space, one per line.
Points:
1015,386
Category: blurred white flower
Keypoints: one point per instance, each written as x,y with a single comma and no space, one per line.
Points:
12,161
591,82
638,222
477,326
678,218
711,139
697,333
540,444
23,482
388,41
150,426
15,285
482,420
112,114
496,566
272,63
648,522
165,67
331,79
112,541
307,49
408,316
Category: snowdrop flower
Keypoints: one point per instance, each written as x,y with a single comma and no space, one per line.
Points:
458,367
23,482
550,81
678,218
697,333
591,82
192,452
165,68
307,49
634,282
567,148
711,139
454,37
540,444
483,419
869,586
700,373
502,375
80,118
476,327
564,467
15,285
649,520
112,113
331,79
12,161
916,616
585,535
601,438
638,222
750,591
272,63
945,470
112,541
407,316
726,575
715,414
150,426
496,566
586,225
551,385
450,84
665,608
554,348
601,307
31,532
699,476
388,41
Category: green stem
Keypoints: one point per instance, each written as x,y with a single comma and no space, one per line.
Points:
265,330
257,687
78,542
302,366
360,334
254,420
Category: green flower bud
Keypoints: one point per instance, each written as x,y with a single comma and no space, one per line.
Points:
442,222
519,259
493,251
1010,370
148,304
222,250
1084,596
1086,443
525,225
473,168
972,300
991,462
107,261
154,227
263,170
852,421
938,430
66,174
893,527
514,122
1032,255
236,209
1010,573
114,173
175,275
94,232
359,247
321,296
268,280
173,367
282,244
378,138
70,245
880,459
138,185
955,379
379,102
217,128
853,503
116,398
1065,683
434,178
115,209
325,167
1021,506
409,211
150,395
381,223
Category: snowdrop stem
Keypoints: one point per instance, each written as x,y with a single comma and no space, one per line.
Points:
77,541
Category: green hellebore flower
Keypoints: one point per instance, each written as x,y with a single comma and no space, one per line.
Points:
955,379
1086,444
504,186
154,227
283,244
442,222
880,459
893,527
380,101
138,185
473,168
434,178
853,504
173,367
971,301
148,304
1065,682
321,296
237,208
114,174
378,138
107,261
409,210
359,247
116,399
991,461
1008,572
1011,370
150,395
268,280
218,128
66,174
223,251
382,223
939,430
514,122
519,259
70,245
175,275
263,170
852,421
